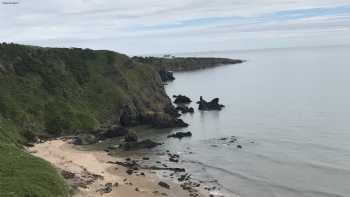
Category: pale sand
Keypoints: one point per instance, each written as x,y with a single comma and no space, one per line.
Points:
65,156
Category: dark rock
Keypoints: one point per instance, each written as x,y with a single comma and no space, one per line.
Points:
129,116
180,135
207,106
163,184
239,146
67,175
166,75
113,132
171,110
129,171
162,120
145,144
84,139
145,158
131,137
106,189
181,99
185,109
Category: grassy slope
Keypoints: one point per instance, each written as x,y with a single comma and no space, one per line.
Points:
52,92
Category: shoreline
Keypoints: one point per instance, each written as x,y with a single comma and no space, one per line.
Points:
94,173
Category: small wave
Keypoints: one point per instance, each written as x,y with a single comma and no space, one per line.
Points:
263,183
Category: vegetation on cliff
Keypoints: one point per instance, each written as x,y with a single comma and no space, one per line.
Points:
50,92
185,63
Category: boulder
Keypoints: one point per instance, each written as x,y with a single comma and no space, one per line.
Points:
181,99
207,106
180,135
162,120
163,184
84,139
113,132
131,137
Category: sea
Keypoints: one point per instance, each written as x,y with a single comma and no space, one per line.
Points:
289,109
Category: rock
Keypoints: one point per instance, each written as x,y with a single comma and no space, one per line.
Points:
181,99
174,157
171,110
163,184
180,135
166,75
207,106
67,175
145,144
162,121
131,137
239,146
145,158
84,139
129,116
106,189
129,171
113,132
185,109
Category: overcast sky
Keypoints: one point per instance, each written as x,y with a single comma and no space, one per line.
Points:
164,26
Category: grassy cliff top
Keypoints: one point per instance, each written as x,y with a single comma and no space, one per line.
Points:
185,63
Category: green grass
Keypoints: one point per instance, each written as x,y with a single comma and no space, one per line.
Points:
22,175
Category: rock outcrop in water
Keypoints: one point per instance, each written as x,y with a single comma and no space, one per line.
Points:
181,99
211,105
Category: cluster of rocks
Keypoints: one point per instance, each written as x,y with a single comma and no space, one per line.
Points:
82,179
131,141
231,140
203,105
211,105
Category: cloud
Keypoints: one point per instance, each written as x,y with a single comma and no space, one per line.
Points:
158,26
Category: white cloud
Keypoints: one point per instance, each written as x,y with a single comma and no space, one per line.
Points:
165,26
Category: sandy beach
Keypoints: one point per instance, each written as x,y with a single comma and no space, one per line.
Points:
92,174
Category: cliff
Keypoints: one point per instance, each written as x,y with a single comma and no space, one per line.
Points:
49,92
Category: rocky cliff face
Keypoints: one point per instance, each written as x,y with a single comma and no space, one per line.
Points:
57,91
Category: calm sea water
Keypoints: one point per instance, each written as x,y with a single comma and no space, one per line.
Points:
289,109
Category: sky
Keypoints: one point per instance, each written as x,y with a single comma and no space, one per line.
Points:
163,26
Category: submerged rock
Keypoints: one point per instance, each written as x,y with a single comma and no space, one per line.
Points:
207,106
180,135
145,144
181,99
